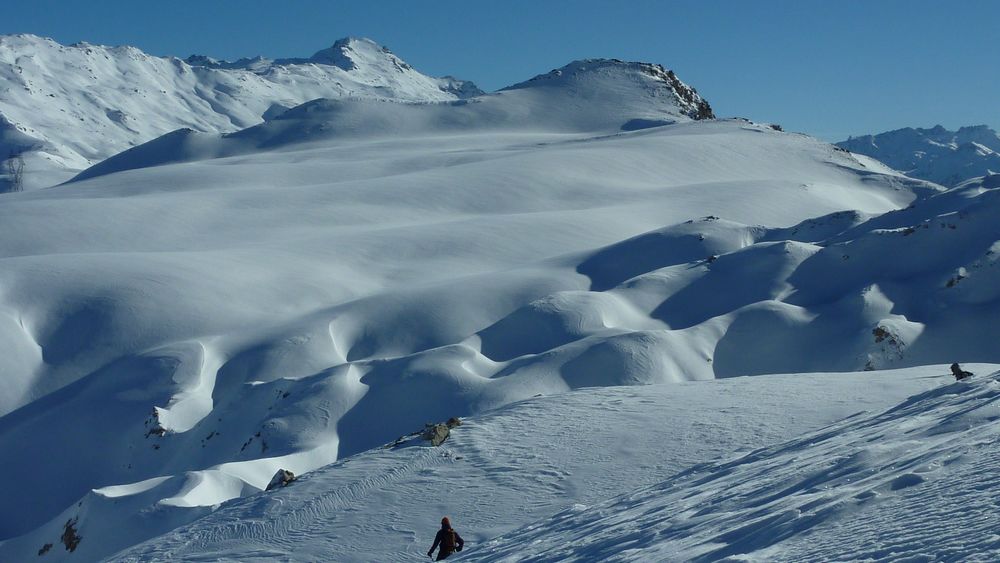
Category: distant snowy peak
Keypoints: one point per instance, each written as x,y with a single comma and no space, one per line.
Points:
935,154
612,74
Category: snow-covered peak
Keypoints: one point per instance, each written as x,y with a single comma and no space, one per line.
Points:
350,53
592,76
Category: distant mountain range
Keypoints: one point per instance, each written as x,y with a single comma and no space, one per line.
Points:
936,154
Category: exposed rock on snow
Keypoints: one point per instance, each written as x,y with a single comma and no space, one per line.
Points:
70,539
436,434
281,479
960,373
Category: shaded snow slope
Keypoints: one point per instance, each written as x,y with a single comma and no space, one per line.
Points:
73,106
936,154
916,482
520,463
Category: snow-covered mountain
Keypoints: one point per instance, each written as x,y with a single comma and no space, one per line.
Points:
937,154
206,308
68,107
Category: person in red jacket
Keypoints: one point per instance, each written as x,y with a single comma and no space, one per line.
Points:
449,540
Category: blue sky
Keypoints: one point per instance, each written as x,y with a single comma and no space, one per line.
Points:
828,68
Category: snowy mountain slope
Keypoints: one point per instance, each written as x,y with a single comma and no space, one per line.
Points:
915,482
73,106
498,471
591,96
936,154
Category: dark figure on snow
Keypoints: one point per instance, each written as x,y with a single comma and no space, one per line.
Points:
959,373
449,540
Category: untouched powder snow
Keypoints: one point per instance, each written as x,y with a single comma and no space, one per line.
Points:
916,482
68,107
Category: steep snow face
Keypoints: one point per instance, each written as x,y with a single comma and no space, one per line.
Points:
72,106
936,154
914,483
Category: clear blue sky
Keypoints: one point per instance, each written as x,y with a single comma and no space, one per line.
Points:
829,68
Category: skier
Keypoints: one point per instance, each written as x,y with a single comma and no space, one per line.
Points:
449,539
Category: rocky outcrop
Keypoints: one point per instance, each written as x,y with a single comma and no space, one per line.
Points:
436,434
959,373
281,479
70,538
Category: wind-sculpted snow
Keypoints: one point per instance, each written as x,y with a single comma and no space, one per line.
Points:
73,106
915,482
